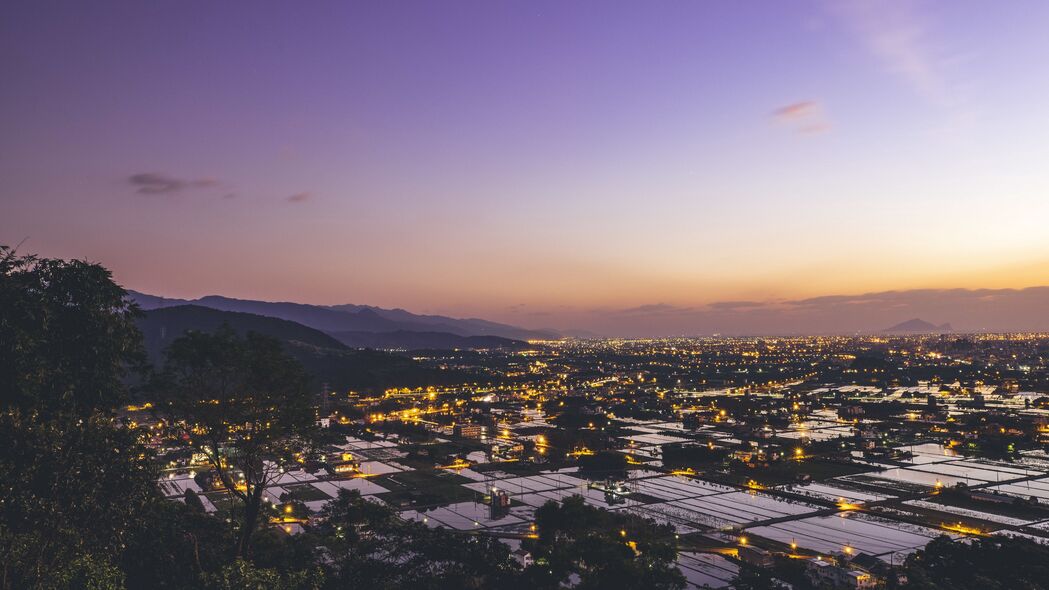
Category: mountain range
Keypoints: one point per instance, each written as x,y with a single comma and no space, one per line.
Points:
408,340
323,356
399,328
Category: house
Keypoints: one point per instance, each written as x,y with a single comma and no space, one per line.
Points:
850,411
523,557
824,574
475,431
755,556
879,569
345,467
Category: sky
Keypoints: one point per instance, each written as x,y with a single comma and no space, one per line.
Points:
548,164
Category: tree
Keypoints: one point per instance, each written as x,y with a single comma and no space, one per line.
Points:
174,547
67,337
243,403
242,575
603,464
991,563
68,492
76,481
698,456
605,549
755,579
368,546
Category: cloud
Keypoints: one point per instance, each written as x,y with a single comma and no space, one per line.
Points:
896,35
976,310
154,183
806,116
655,308
797,110
737,305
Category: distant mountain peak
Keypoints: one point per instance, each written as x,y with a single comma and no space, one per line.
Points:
917,326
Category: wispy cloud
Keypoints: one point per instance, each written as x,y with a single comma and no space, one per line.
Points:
300,197
154,183
805,116
738,305
897,35
656,308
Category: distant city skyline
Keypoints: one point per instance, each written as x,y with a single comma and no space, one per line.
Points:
625,169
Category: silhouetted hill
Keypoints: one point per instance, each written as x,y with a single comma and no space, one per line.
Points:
161,326
314,316
405,340
324,357
349,318
917,326
471,326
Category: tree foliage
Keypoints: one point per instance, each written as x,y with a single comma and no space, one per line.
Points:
243,575
992,563
67,336
369,547
76,481
604,549
243,403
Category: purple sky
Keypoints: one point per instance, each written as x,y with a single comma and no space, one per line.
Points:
542,163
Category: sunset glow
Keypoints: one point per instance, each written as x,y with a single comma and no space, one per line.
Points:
543,164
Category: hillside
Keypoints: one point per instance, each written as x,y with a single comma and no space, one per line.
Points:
325,358
349,318
917,326
161,326
406,340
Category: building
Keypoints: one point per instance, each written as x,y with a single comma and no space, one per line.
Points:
499,504
824,574
755,556
345,467
867,437
475,431
343,463
850,411
523,557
